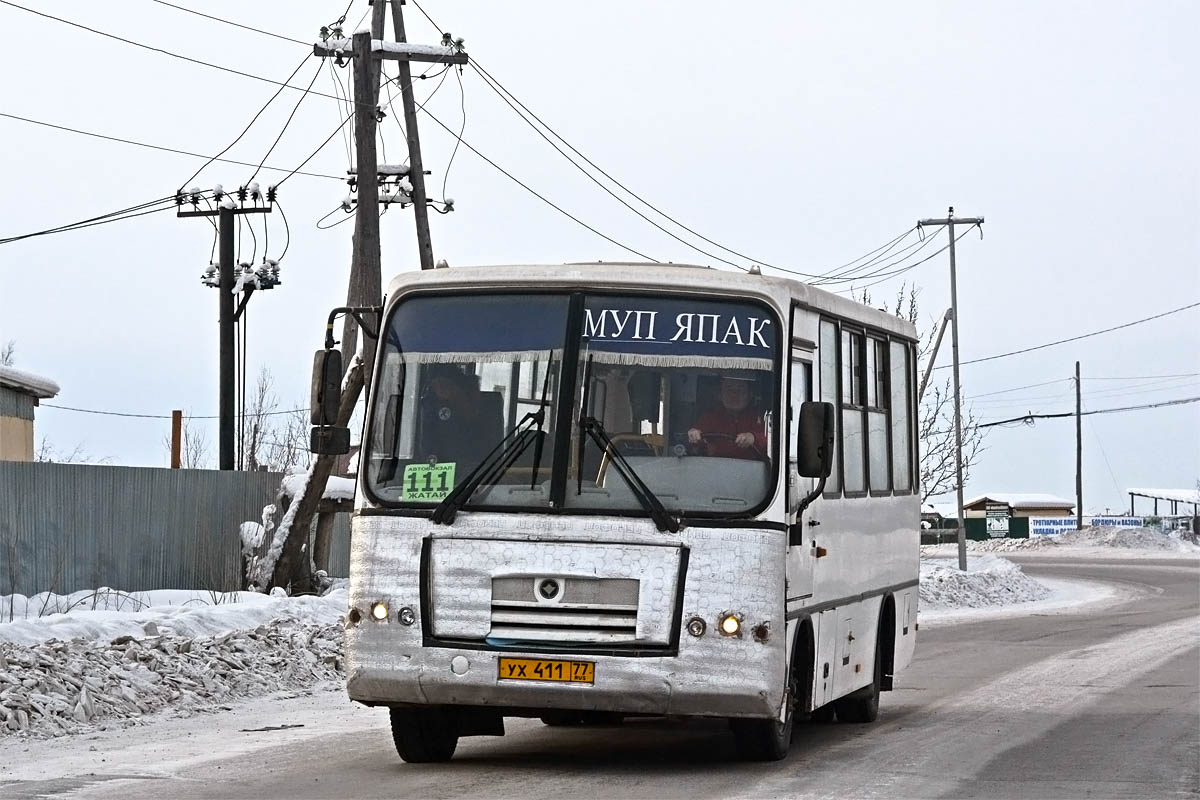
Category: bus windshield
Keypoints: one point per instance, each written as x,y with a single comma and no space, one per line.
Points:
673,393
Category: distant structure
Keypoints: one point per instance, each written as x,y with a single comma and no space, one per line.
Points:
1020,504
1183,502
20,393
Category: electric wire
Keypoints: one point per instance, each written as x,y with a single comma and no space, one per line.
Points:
164,203
462,96
249,125
1075,338
158,147
134,415
883,269
230,22
286,124
1028,419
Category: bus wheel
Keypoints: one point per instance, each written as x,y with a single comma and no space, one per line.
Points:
424,734
863,705
767,739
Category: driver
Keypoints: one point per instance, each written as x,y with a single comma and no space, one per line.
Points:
735,430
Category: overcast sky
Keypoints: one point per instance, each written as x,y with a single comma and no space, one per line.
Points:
804,134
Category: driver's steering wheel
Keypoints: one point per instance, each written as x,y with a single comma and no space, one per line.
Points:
700,448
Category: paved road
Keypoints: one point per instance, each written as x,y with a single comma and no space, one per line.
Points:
1103,702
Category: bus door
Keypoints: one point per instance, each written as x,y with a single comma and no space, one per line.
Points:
800,551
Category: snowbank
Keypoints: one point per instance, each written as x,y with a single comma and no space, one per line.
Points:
1092,540
989,581
106,614
107,655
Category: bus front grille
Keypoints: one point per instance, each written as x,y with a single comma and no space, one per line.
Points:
583,610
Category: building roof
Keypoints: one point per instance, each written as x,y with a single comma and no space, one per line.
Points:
1178,495
1023,500
27,383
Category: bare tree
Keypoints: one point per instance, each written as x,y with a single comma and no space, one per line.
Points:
274,440
194,446
46,452
8,353
935,412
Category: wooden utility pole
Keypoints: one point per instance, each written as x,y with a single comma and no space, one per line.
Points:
1078,451
416,167
950,221
176,438
366,282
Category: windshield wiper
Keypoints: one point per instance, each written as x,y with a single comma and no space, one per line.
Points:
593,428
493,465
501,457
644,494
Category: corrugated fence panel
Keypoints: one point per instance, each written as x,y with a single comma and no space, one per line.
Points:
66,527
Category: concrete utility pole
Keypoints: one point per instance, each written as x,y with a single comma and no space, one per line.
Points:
1078,451
950,221
226,213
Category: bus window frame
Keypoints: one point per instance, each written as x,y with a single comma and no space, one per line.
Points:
870,334
565,382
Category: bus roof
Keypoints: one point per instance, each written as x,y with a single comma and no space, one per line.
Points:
779,291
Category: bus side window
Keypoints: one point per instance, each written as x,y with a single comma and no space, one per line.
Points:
801,392
901,417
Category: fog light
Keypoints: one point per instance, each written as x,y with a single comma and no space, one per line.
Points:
406,616
696,626
731,624
379,612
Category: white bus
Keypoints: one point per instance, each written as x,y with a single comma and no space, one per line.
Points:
593,491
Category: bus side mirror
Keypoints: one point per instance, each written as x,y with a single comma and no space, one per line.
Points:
326,391
324,399
816,428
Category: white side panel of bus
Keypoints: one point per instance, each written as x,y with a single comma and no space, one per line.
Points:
826,630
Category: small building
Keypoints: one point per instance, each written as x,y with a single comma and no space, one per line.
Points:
1019,504
20,393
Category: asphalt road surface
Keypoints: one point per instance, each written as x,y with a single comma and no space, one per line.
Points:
1100,702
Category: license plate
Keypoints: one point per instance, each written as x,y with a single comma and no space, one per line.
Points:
539,669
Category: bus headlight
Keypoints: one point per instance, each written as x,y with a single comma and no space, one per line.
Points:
696,626
379,612
730,624
406,616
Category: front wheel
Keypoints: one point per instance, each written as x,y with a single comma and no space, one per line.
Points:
425,734
767,739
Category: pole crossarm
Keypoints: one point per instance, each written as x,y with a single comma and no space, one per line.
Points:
213,212
394,51
955,220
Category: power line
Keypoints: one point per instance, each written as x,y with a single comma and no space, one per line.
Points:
230,22
1146,377
170,53
286,123
1028,419
158,147
165,203
133,415
1077,338
1018,388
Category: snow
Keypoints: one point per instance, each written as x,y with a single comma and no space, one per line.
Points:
988,581
392,169
105,655
335,488
1101,541
28,383
1179,495
1024,500
404,48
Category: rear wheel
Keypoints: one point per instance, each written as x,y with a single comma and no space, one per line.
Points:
424,734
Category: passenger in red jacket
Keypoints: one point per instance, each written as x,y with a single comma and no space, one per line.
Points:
736,429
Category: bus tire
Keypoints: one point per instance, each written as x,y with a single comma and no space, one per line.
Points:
424,734
863,705
770,739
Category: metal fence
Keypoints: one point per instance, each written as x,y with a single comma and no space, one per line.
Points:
66,527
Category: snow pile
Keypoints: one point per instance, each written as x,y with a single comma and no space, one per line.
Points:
1011,545
106,614
59,687
1127,539
988,581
